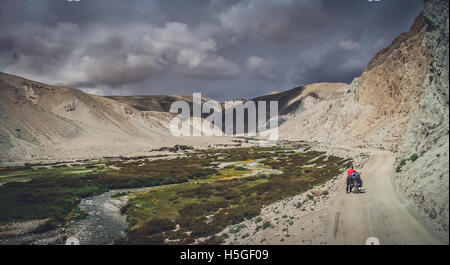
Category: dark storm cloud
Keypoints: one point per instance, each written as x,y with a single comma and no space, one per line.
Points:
50,12
99,54
238,48
359,30
338,60
284,20
266,69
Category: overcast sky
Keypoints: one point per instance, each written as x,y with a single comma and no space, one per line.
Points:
224,49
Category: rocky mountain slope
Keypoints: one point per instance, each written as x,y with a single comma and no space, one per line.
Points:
375,108
39,121
296,98
160,103
399,103
425,181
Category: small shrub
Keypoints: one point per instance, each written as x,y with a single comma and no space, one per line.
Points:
157,226
266,225
172,235
120,194
221,239
413,157
201,229
245,235
235,229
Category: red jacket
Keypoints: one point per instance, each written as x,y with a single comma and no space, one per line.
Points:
351,171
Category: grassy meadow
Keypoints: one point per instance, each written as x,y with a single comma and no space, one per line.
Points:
211,189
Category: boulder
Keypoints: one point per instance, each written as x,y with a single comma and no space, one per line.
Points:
317,193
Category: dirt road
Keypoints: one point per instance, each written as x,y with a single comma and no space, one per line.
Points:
340,218
377,212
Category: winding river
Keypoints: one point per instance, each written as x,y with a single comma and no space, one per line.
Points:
104,223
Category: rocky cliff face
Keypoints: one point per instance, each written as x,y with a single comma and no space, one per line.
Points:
374,109
399,103
392,80
425,181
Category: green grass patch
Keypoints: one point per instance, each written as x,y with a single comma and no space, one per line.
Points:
402,163
413,157
204,202
204,209
237,228
120,194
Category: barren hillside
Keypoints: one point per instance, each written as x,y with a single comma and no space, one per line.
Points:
375,108
39,121
160,103
399,103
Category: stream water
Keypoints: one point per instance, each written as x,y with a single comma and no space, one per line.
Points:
103,223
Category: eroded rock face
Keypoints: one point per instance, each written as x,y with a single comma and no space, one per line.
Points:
426,180
127,111
400,103
393,79
375,108
70,106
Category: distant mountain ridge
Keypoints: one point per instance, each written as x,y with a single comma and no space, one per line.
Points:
39,121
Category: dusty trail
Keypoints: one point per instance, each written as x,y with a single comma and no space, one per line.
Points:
340,218
377,212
